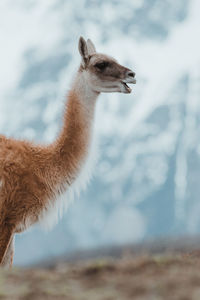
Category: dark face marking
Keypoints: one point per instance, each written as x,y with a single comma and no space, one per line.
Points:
102,65
109,70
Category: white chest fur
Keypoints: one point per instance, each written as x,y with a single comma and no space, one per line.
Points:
56,207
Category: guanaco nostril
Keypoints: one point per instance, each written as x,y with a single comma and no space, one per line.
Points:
131,74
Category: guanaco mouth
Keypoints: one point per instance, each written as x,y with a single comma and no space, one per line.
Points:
127,88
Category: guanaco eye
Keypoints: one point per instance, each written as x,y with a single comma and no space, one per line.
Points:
102,65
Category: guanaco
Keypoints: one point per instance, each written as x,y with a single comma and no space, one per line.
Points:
32,177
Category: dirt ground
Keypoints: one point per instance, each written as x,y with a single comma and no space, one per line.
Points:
152,277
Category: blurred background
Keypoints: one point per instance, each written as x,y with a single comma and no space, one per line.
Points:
146,182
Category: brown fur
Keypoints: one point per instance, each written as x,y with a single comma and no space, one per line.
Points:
31,175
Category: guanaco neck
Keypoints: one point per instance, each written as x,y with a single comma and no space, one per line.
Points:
73,143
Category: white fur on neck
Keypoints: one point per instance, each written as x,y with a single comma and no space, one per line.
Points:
84,90
58,206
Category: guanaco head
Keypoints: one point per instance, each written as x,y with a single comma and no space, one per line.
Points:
103,73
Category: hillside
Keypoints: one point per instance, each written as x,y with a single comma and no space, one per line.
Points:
142,277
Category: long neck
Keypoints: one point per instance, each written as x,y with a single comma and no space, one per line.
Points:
72,145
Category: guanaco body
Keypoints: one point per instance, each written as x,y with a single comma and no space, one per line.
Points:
32,177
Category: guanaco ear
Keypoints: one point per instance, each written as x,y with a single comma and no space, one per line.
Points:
83,49
91,47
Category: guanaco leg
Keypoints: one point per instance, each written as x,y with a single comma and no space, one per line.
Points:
8,257
6,245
